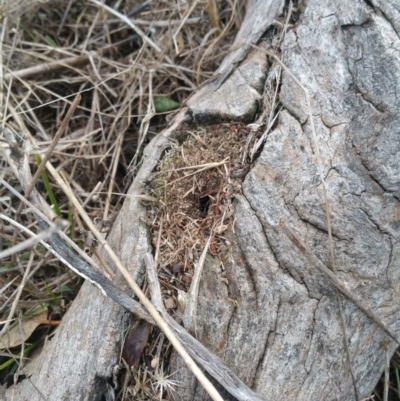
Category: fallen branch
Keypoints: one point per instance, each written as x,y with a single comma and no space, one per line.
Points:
209,361
176,334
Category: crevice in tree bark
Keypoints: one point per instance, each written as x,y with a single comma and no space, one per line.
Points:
247,265
389,262
374,222
375,180
272,333
369,4
312,336
377,6
321,229
296,275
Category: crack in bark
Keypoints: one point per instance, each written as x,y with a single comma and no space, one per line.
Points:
363,94
370,175
229,324
374,223
384,15
300,279
321,229
329,127
266,344
309,348
312,336
247,265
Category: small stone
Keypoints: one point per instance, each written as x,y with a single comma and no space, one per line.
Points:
170,303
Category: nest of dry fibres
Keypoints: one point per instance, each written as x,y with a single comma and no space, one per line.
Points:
194,184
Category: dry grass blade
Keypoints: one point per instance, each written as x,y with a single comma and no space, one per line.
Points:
174,37
49,67
112,59
129,23
205,167
32,241
17,297
189,316
51,224
46,157
213,11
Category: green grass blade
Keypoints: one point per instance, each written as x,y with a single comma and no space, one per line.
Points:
49,189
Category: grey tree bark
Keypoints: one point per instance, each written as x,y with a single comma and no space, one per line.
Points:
284,338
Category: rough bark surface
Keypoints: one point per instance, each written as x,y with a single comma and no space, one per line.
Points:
283,339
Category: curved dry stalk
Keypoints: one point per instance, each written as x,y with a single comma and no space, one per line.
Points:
24,173
210,362
19,292
189,315
31,241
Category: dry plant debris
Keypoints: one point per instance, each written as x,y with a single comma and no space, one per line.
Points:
50,51
195,183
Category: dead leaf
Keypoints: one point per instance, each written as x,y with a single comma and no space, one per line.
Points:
135,343
17,334
220,229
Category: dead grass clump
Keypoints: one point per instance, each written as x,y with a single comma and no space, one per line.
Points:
133,62
195,184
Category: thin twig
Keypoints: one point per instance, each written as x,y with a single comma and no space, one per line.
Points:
58,65
59,224
19,292
53,144
137,290
174,36
115,163
206,167
128,22
190,313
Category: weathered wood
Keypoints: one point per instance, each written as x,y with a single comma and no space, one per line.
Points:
235,91
284,338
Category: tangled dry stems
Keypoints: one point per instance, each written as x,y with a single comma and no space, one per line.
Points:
195,183
119,77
